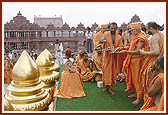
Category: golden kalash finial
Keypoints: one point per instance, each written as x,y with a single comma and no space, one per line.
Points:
49,55
26,91
47,73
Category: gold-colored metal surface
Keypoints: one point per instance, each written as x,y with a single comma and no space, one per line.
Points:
26,91
7,105
48,75
43,61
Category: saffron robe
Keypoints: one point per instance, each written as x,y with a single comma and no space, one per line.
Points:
8,67
78,58
97,60
71,83
85,71
149,104
149,62
96,38
133,66
109,62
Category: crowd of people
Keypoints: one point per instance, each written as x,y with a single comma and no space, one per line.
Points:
10,58
134,56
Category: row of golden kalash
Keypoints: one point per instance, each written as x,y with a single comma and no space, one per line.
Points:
33,83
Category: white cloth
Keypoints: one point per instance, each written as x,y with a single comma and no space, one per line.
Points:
89,36
10,56
59,61
149,37
64,61
71,59
162,32
59,56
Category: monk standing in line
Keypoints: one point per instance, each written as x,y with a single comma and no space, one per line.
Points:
128,36
110,42
133,62
156,48
99,35
96,38
127,39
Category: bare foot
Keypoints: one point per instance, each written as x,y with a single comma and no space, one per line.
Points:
112,92
121,75
122,80
126,90
133,95
137,101
92,80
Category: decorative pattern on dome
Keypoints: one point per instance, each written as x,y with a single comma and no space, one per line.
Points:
135,18
50,27
20,22
80,27
73,29
94,26
123,26
65,27
58,29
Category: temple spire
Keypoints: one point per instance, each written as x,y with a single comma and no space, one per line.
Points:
19,14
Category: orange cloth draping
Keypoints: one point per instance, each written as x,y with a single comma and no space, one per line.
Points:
96,38
104,26
97,60
8,71
85,70
133,66
78,58
71,86
149,101
161,106
149,62
109,62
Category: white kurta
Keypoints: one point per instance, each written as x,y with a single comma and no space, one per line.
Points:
58,54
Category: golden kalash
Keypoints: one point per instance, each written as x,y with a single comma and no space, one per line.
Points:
48,72
26,91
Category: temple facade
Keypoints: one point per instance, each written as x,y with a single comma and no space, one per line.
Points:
20,34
